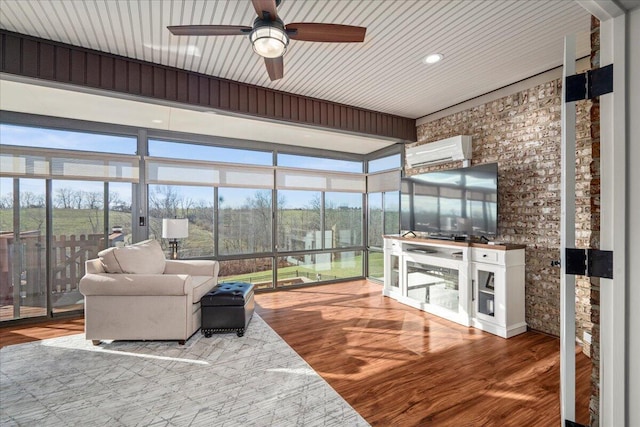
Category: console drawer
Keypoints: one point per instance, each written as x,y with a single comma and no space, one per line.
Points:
488,256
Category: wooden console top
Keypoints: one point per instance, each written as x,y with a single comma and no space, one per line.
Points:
502,247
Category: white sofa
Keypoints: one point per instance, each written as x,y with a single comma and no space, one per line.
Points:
133,293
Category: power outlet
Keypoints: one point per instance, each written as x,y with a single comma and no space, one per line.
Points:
586,337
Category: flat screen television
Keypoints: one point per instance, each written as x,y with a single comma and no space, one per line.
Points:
452,203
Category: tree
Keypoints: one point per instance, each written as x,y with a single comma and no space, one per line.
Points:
76,198
260,206
6,202
27,200
204,215
117,204
164,201
93,199
186,206
64,198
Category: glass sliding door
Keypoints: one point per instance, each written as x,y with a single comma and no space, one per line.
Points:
88,216
78,234
23,245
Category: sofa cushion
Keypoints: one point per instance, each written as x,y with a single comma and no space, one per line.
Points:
145,257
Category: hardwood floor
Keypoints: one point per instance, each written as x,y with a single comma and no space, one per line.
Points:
398,366
10,335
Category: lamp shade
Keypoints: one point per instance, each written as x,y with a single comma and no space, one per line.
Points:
175,228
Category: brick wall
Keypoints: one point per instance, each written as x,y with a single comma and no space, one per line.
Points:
522,133
594,404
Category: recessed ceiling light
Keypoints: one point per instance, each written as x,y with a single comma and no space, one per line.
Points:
432,58
156,121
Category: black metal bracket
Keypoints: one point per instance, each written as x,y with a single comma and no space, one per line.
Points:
590,84
568,423
589,262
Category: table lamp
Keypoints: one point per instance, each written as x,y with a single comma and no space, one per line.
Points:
174,229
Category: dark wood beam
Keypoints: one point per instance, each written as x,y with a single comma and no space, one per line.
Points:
53,61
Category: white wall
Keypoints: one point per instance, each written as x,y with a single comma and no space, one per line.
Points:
633,215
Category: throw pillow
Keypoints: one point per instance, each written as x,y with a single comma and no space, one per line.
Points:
109,261
145,257
141,258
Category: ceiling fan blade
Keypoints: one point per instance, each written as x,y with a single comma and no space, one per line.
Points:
331,33
268,6
209,30
275,67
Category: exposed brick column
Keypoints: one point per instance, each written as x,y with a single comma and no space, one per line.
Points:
594,405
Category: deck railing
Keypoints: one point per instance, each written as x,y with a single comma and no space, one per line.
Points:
68,256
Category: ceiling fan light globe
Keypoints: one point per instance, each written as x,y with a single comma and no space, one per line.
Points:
269,41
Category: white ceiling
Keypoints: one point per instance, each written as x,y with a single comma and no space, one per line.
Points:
487,44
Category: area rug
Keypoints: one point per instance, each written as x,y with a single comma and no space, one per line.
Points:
225,380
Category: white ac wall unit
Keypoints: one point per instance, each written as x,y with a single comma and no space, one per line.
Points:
445,150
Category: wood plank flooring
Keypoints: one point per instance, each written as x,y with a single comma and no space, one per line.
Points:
19,334
398,366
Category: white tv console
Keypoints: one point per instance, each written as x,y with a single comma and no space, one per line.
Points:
472,284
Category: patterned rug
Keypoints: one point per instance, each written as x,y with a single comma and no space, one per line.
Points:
255,380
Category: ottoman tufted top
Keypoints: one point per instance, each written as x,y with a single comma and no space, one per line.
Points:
224,294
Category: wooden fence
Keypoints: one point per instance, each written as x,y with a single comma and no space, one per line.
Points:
32,277
68,256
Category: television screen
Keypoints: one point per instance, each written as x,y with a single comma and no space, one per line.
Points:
452,203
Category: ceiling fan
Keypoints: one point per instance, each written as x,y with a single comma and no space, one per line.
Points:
269,36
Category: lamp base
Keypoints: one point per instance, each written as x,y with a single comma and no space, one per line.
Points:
173,245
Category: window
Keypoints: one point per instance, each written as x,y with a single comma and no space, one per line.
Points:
319,163
244,221
90,177
311,232
384,163
375,217
23,278
25,136
391,212
181,150
258,271
384,205
299,221
343,219
79,232
319,267
182,201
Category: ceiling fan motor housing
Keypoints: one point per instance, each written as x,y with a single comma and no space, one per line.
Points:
269,38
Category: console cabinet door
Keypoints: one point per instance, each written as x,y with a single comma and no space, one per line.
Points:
392,266
488,293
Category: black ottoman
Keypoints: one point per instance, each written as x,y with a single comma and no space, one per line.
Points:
227,308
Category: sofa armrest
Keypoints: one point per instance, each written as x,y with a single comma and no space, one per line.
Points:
136,284
192,267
